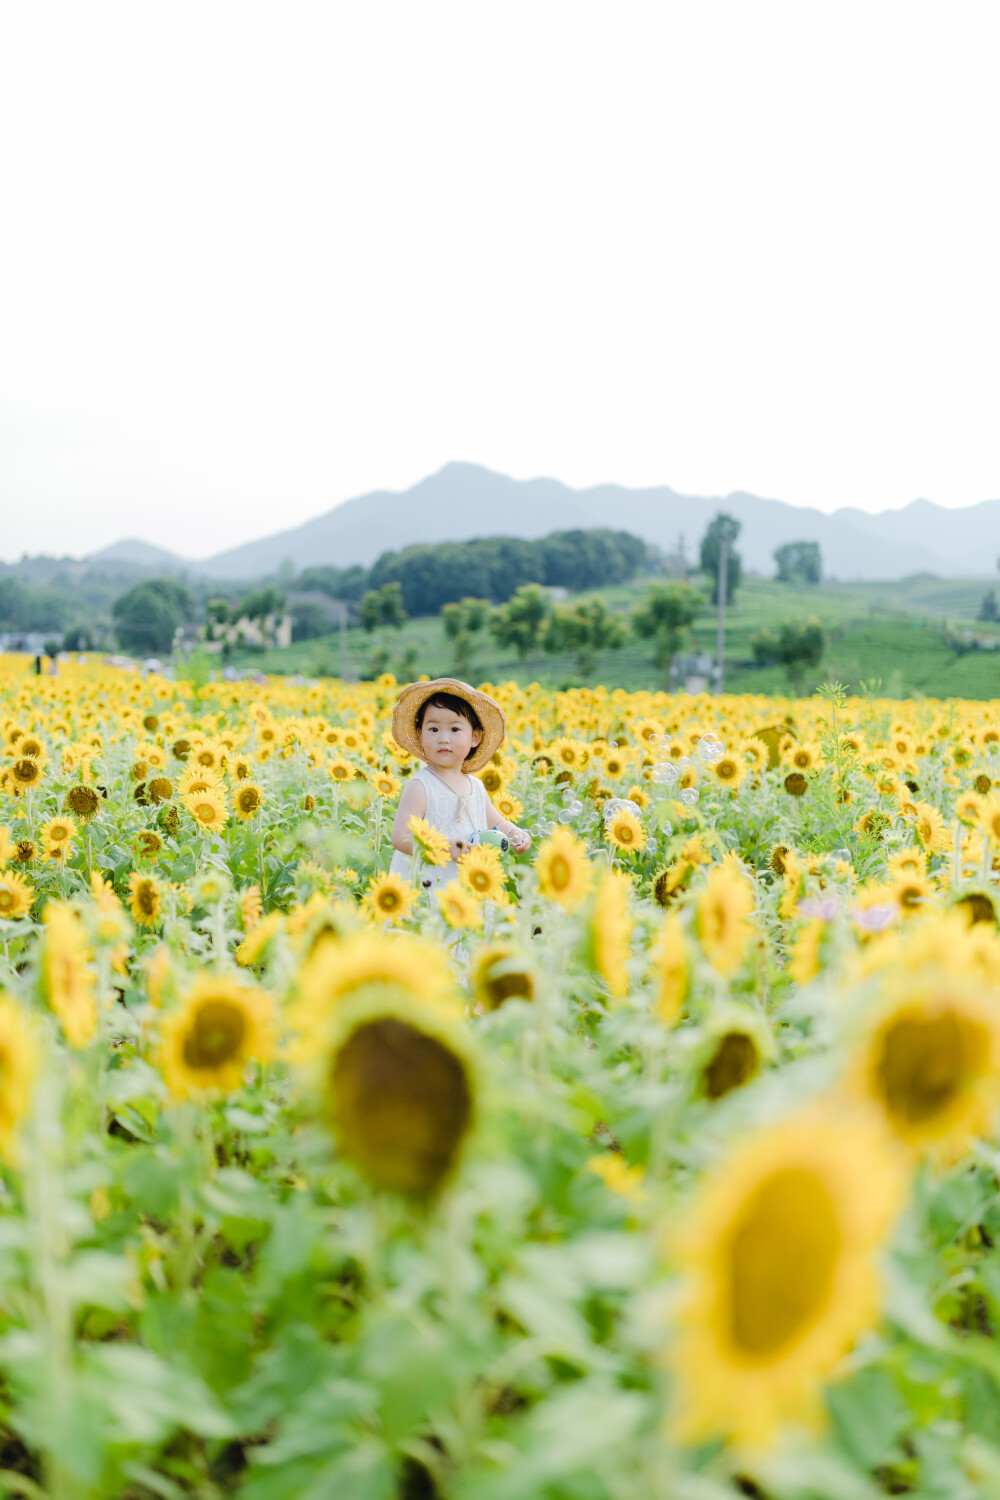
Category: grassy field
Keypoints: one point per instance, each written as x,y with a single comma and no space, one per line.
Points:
901,633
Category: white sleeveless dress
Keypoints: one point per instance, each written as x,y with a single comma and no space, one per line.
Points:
453,815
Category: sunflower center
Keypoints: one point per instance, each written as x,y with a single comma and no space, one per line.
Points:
734,1062
925,1061
216,1036
402,1105
480,880
560,873
388,900
782,1256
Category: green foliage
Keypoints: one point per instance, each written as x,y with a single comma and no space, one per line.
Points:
799,562
518,623
797,645
989,609
584,629
663,618
382,606
26,606
496,567
463,622
722,526
149,614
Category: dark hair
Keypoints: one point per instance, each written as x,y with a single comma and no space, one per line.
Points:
450,701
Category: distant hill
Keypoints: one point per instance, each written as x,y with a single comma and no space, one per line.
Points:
143,554
464,500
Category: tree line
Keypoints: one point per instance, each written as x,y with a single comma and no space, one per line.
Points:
431,575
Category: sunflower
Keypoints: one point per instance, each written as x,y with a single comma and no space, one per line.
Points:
66,974
672,970
334,971
251,907
339,768
723,909
254,946
929,1059
16,896
145,899
611,931
458,908
83,802
248,801
932,833
398,1090
160,789
481,873
491,779
755,753
508,807
57,836
564,871
30,744
795,784
968,808
19,1054
389,897
778,1262
8,847
208,808
778,858
27,773
199,779
499,973
737,1044
430,842
219,1027
912,891
385,785
989,817
729,771
148,844
616,1174
624,830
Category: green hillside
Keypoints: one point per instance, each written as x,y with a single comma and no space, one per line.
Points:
906,633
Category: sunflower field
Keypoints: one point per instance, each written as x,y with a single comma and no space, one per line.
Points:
659,1161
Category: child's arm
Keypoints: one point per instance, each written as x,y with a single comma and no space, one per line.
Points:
520,838
412,804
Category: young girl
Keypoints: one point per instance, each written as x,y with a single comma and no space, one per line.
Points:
453,729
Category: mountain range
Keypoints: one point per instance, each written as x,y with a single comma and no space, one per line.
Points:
464,500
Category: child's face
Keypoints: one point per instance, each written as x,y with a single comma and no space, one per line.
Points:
446,738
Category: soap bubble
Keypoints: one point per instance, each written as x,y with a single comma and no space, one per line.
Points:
650,846
689,796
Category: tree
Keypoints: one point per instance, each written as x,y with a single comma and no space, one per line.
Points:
382,606
664,617
462,623
799,644
584,629
799,562
711,548
149,614
518,623
989,610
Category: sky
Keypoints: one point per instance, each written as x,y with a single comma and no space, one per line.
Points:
258,259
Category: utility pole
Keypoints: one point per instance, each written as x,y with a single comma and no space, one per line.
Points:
720,643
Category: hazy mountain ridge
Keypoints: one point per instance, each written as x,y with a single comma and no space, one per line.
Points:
464,500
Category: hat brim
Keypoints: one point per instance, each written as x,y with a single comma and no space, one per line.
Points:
416,694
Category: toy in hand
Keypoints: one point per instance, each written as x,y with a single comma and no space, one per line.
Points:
490,836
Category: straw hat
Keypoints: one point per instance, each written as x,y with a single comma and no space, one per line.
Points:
411,699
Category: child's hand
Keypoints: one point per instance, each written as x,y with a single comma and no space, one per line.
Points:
520,840
459,847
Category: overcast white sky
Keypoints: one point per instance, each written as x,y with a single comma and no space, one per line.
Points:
258,259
